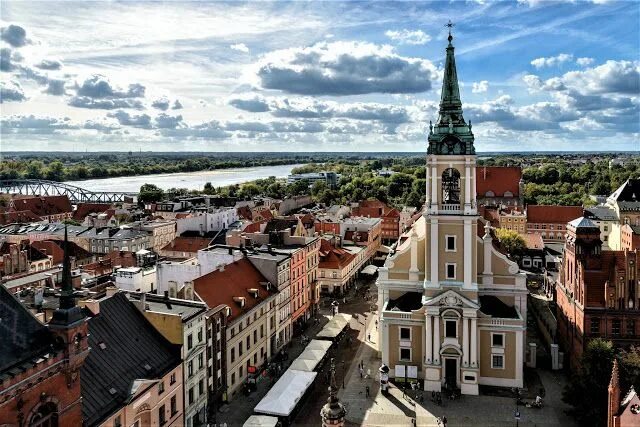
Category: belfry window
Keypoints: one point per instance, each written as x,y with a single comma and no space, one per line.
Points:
451,186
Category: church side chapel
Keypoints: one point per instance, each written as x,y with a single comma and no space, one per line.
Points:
452,306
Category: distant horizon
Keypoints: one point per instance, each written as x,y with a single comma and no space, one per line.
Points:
297,153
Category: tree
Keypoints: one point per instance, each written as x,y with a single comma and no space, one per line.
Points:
629,361
55,171
587,389
150,193
511,241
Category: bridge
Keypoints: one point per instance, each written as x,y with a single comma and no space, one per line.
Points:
41,187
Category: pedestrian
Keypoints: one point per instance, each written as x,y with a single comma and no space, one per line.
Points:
444,421
361,372
369,337
367,391
362,364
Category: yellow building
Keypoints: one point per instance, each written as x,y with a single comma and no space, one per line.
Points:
452,308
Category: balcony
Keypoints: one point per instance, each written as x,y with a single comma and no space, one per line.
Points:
447,207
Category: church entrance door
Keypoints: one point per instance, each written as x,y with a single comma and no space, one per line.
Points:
451,372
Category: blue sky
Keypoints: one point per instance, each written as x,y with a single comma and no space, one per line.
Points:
316,76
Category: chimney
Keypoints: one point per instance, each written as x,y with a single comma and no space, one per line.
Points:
93,306
221,267
230,250
166,295
269,248
240,301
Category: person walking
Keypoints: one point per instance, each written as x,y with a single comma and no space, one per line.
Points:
361,372
367,391
369,336
444,421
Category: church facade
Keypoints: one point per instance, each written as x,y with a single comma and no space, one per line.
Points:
452,306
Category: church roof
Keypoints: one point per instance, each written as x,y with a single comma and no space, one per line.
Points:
406,302
494,307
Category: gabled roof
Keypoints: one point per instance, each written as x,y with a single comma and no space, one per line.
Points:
583,222
125,348
84,209
627,192
42,205
187,244
601,213
22,336
553,214
498,179
533,241
235,280
18,216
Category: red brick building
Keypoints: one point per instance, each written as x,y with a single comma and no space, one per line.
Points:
377,209
40,365
49,208
598,294
551,221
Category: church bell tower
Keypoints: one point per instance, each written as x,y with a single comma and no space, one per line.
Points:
451,209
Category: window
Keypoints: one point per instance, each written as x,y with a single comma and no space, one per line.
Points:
497,340
172,379
190,368
405,354
189,342
405,333
497,361
233,378
631,327
117,421
191,399
240,372
200,335
450,243
451,186
451,270
615,327
161,387
161,416
200,360
174,405
255,336
201,388
240,348
450,329
248,342
233,355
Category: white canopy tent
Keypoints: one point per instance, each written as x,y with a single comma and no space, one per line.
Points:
370,269
303,365
318,345
333,328
261,421
285,394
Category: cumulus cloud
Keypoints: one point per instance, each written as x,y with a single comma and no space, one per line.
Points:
161,103
209,130
480,87
252,103
105,104
240,47
7,59
49,64
417,37
165,121
98,86
177,105
135,120
584,61
34,125
344,68
55,87
552,61
11,91
15,35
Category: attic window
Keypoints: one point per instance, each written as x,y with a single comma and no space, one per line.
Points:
102,346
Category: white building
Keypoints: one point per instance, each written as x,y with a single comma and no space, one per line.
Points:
216,220
137,279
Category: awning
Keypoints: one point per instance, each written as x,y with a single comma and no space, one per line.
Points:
261,421
384,249
285,394
333,328
304,365
318,345
370,269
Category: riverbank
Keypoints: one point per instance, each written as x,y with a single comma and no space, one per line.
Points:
188,180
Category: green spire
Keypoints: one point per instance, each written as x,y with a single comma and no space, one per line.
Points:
451,134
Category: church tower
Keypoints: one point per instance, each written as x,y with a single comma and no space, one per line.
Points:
451,191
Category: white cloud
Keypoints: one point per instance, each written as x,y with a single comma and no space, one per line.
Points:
480,87
344,68
15,35
552,61
11,91
416,37
135,120
240,47
584,61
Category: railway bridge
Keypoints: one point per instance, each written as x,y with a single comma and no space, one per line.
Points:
41,187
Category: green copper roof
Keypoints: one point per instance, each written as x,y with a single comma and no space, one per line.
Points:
451,134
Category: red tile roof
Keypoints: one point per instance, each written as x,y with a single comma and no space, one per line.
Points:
533,241
187,244
220,287
18,216
332,257
546,214
84,209
55,248
498,179
253,227
245,212
42,206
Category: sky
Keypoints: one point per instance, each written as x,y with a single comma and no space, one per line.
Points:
316,76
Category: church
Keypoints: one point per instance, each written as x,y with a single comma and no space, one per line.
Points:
452,306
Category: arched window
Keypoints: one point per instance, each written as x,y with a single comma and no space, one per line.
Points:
45,416
451,186
490,194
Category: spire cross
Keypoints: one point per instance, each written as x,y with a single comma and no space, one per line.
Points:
450,25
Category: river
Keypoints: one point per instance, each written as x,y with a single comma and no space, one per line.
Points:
189,180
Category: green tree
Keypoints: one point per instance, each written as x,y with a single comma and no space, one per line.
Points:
511,241
587,389
150,193
55,171
34,170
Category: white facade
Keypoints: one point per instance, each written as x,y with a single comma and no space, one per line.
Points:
216,220
195,369
136,279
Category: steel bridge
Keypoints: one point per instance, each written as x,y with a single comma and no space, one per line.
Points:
40,187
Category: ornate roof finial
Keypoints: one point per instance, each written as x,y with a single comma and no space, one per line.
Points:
450,25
